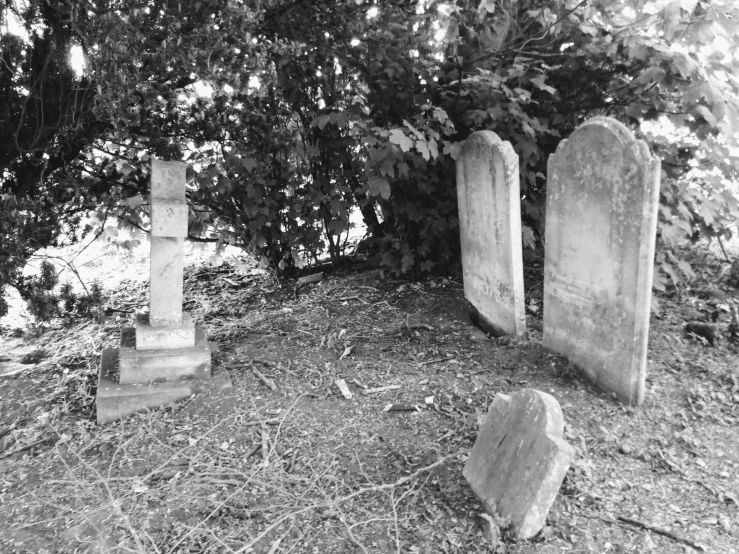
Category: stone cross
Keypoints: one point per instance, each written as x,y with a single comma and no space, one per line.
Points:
520,459
168,231
601,219
166,326
490,231
165,357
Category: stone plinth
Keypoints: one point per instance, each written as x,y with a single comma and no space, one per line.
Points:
164,336
490,232
519,459
166,364
117,401
601,220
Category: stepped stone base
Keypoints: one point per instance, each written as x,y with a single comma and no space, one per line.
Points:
164,336
153,366
117,401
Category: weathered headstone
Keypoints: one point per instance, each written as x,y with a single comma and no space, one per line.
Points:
601,219
165,357
520,459
490,231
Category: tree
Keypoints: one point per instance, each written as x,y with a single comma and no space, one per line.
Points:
292,113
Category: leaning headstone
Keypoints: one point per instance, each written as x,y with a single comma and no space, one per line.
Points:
601,220
166,357
520,459
490,232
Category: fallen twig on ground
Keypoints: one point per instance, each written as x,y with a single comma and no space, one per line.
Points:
27,447
333,503
663,532
355,297
263,378
381,389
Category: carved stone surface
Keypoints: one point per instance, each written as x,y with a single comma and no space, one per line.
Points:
168,219
490,231
519,459
165,291
601,219
168,180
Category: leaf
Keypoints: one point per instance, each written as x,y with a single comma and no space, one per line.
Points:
423,149
528,238
347,351
453,149
126,169
398,137
684,266
670,270
650,75
407,262
139,487
419,134
539,83
321,121
706,114
378,186
134,201
659,282
249,163
486,6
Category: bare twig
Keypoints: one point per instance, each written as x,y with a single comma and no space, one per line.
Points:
721,244
434,361
663,532
382,389
264,379
331,504
355,297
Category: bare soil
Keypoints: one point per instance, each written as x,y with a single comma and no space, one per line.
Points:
303,469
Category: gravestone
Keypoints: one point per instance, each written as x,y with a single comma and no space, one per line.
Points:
520,459
601,220
166,357
490,232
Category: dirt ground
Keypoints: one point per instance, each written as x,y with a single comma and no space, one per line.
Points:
302,469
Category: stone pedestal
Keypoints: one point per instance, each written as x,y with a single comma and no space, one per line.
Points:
165,358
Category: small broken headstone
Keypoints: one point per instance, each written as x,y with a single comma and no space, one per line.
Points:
520,459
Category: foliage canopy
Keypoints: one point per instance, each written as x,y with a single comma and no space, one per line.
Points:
293,113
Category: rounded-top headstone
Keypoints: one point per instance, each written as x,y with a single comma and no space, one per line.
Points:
601,219
490,231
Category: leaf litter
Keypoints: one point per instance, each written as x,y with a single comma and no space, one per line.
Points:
355,403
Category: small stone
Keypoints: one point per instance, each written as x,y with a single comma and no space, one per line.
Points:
624,448
33,357
724,522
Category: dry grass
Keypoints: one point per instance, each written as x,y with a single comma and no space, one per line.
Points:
301,469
